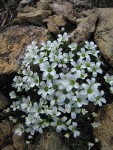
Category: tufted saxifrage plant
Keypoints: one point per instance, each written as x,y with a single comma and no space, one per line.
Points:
56,80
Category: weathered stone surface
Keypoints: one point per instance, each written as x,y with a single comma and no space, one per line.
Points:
27,9
49,141
59,20
70,18
62,8
4,101
33,17
105,131
81,2
5,131
104,34
13,43
18,141
8,147
85,28
44,4
52,28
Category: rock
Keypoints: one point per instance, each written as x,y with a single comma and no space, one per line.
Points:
27,9
8,147
44,4
26,2
81,2
104,34
105,131
35,17
59,20
4,102
70,18
13,44
49,141
5,132
85,28
18,141
86,13
52,28
62,8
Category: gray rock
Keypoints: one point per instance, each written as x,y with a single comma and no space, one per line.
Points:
18,141
33,17
104,34
13,44
85,28
62,8
4,102
8,147
5,132
49,141
105,131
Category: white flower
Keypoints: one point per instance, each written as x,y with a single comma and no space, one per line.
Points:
20,130
100,98
62,61
7,110
80,99
54,112
18,83
96,140
30,129
72,82
26,104
39,125
11,118
12,95
109,79
29,119
32,47
111,89
73,46
46,46
73,129
94,114
90,45
27,73
81,74
84,111
36,110
42,57
77,65
96,69
45,88
63,94
15,105
95,124
90,89
67,135
83,53
48,68
53,99
59,123
88,64
90,145
27,60
63,38
68,57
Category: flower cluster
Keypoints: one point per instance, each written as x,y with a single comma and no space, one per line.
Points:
109,79
64,80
